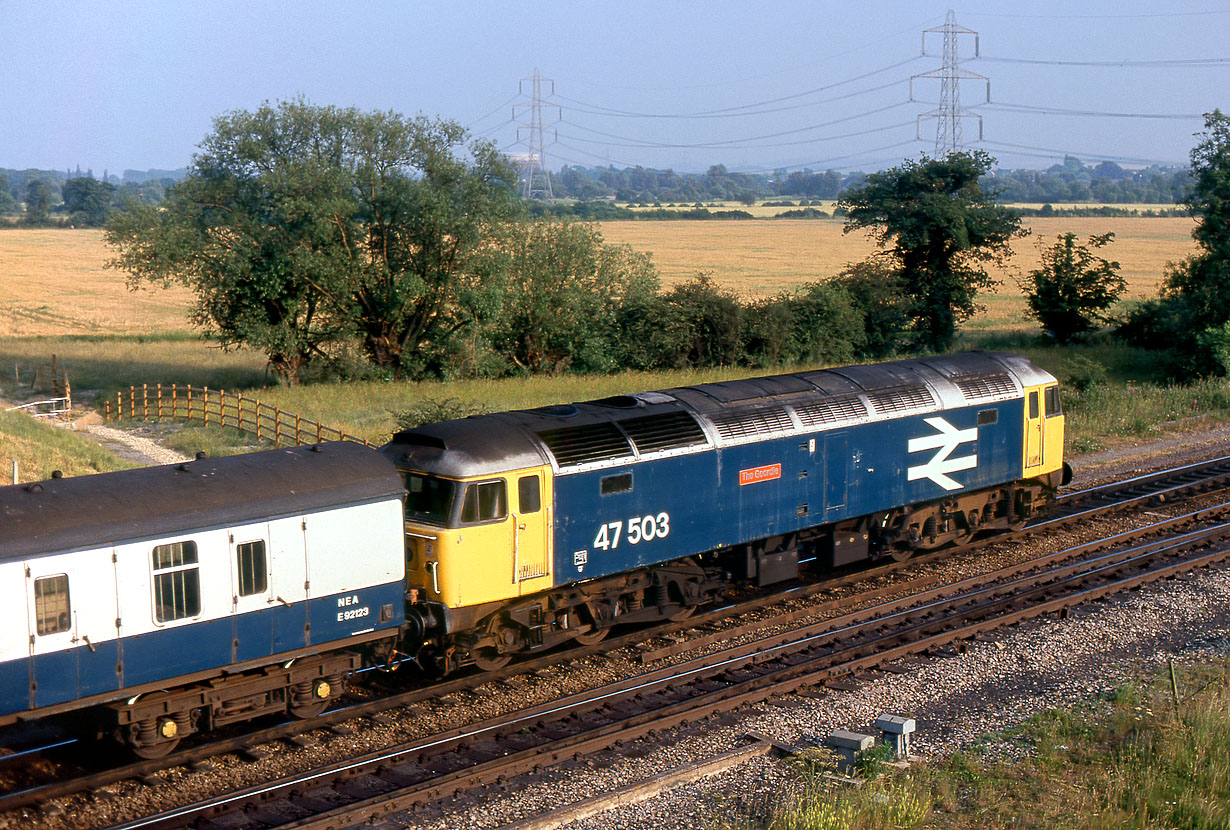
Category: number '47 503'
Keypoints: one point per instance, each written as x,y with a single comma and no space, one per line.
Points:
639,529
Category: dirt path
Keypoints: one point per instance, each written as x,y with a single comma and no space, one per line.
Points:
132,447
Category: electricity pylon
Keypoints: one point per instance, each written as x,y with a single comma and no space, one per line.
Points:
536,178
950,112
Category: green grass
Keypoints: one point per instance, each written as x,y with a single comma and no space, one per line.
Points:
106,363
39,448
1132,759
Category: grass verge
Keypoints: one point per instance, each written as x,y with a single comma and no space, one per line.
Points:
1138,758
39,448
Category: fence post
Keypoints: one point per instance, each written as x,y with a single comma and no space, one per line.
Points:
174,400
132,402
205,405
222,405
298,434
145,401
160,403
108,403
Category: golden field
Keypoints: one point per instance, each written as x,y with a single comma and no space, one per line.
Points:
54,281
761,258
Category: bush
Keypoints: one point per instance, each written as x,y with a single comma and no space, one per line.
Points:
874,289
1081,373
1074,288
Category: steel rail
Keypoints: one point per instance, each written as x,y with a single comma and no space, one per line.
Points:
867,643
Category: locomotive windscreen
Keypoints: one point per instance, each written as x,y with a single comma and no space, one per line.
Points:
429,499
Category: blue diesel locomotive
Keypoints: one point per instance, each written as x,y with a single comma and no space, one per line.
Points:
154,603
528,528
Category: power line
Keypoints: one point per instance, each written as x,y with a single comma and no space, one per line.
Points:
608,111
1024,108
1177,62
737,142
816,140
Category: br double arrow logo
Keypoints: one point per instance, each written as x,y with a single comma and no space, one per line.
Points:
945,440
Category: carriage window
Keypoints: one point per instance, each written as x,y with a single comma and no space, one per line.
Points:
177,588
484,502
250,558
51,606
1053,406
529,500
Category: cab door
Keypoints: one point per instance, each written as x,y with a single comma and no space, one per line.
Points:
1033,428
532,533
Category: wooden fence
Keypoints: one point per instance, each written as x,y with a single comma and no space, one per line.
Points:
216,407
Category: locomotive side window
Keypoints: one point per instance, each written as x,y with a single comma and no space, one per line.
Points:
616,484
986,417
1053,406
529,498
177,586
253,576
51,605
1033,404
484,502
428,498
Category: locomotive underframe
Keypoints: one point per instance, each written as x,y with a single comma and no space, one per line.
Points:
488,635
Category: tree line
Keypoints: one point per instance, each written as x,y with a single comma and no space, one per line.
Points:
347,244
51,198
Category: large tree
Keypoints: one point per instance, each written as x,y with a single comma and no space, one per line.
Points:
88,201
38,202
299,227
938,229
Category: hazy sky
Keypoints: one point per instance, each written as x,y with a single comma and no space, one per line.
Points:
115,85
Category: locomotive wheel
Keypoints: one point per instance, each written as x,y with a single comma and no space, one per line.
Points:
900,555
595,635
303,711
152,752
488,659
154,739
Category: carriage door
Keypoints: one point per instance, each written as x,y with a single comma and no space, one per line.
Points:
252,600
1033,429
73,645
532,544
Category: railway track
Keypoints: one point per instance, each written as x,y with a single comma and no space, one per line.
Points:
423,771
1169,485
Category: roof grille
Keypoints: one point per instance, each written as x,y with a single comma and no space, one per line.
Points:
583,444
742,423
901,399
985,386
665,431
831,411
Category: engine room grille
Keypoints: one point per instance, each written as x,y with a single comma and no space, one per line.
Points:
831,411
901,399
663,432
742,423
583,444
985,386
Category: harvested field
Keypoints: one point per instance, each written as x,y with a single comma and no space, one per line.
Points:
758,259
54,281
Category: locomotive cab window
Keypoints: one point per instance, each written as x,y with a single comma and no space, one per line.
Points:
529,497
177,585
250,563
429,499
1053,406
52,611
1033,405
486,502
